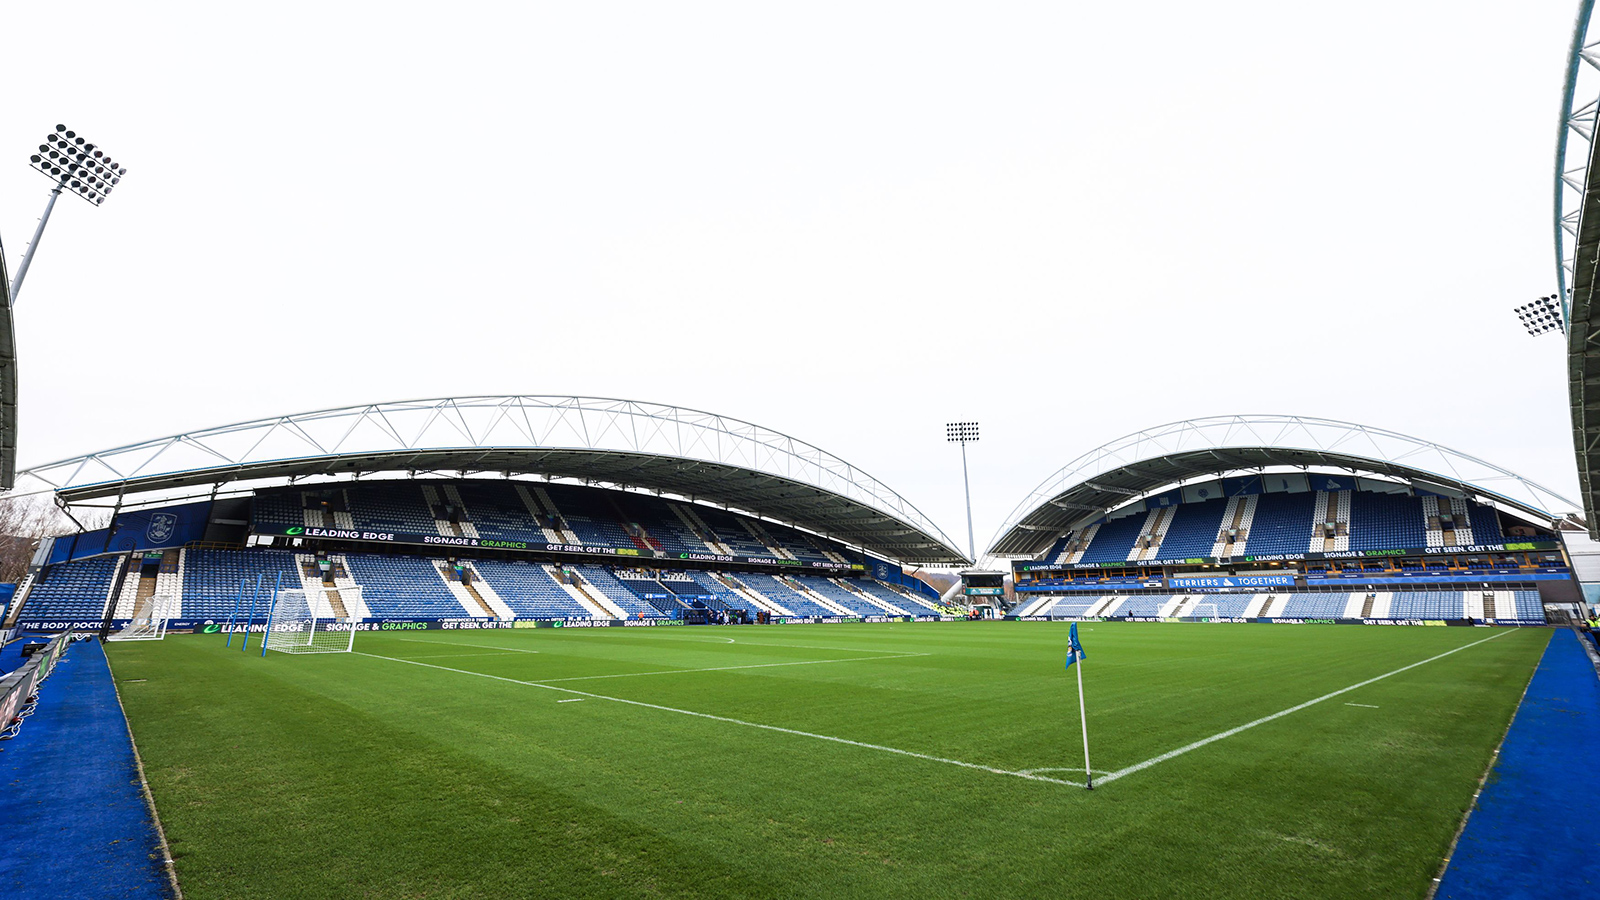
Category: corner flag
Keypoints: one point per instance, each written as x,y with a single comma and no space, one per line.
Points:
1074,649
1074,654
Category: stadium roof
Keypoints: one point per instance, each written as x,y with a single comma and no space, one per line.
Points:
1577,246
1148,461
623,443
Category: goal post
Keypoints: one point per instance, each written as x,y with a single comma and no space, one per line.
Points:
1204,611
301,621
151,625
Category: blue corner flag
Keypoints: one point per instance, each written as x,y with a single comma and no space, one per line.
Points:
1074,649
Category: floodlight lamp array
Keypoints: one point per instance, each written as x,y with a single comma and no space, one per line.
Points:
961,432
77,164
1542,316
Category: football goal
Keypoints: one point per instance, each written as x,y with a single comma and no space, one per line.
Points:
301,621
1204,611
149,622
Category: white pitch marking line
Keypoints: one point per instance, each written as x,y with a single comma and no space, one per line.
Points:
701,715
573,700
1278,715
1362,705
479,646
807,662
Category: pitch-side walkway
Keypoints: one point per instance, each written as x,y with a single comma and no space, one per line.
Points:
1534,832
73,821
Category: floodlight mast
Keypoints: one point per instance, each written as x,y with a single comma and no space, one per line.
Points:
76,164
964,433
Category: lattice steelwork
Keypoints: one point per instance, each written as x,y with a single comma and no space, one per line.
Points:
1577,245
604,441
1155,459
1575,142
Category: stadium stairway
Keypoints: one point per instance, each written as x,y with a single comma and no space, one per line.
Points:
1036,606
597,603
473,591
1532,831
749,592
346,590
899,595
692,521
537,512
892,608
1234,532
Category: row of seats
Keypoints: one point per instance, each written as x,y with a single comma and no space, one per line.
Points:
215,581
1282,523
529,590
75,591
1525,606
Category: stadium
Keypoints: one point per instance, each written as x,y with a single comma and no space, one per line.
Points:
485,645
639,514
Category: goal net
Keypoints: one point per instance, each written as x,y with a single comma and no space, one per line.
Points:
313,621
150,621
1204,611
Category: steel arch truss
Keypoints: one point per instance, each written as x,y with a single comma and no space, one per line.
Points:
1148,461
626,443
1577,237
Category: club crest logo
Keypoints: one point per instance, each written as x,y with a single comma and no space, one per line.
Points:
161,528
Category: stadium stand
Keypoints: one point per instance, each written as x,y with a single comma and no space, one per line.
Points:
908,602
1281,524
1385,521
729,600
403,587
1193,531
1114,540
1315,606
1428,605
847,599
211,579
601,579
71,591
772,586
529,590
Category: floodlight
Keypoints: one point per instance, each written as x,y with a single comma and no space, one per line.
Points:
964,433
71,162
1542,316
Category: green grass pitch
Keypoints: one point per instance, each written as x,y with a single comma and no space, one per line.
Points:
401,770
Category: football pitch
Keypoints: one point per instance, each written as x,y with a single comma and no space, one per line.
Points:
883,760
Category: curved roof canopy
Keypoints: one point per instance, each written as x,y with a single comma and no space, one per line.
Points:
625,443
1577,246
1147,461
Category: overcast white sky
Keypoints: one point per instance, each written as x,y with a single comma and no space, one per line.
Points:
851,222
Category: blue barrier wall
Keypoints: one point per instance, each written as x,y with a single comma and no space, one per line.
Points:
144,529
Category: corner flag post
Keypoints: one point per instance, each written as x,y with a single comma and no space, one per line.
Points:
1083,716
1075,654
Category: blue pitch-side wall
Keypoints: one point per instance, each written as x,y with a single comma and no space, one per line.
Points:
145,529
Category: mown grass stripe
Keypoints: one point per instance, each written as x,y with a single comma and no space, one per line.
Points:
732,721
1172,754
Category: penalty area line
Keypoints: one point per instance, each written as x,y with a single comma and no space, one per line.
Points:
1139,767
1030,776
